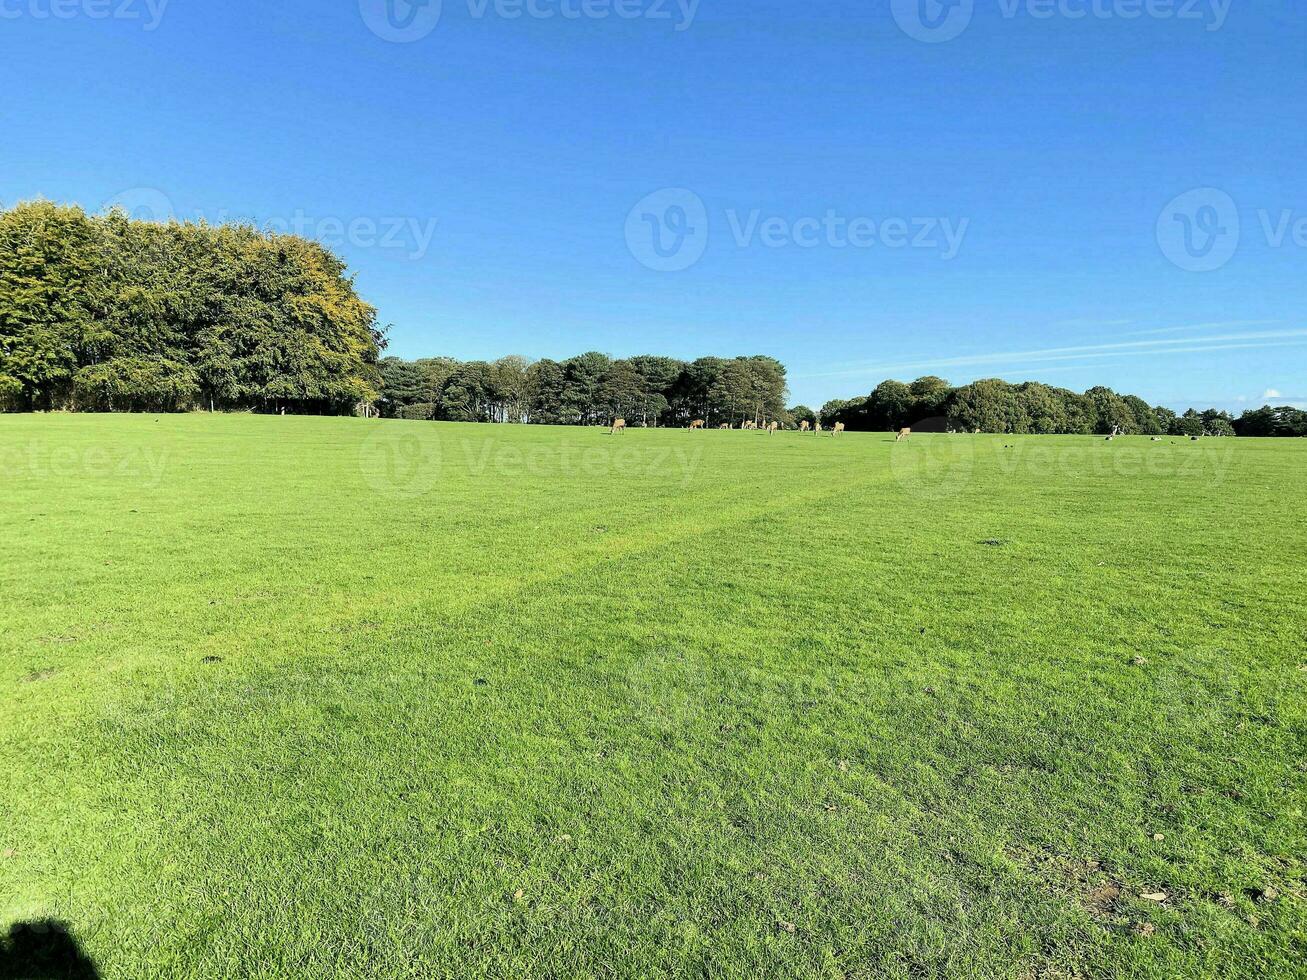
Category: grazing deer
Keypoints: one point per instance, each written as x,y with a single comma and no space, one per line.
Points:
771,429
724,425
805,425
839,427
904,434
698,424
619,425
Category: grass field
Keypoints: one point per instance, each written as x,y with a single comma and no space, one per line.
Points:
298,697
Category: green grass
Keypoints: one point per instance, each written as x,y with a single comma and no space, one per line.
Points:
295,697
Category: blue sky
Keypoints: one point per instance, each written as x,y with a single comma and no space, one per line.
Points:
1074,191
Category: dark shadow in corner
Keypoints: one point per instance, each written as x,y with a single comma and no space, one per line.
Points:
43,950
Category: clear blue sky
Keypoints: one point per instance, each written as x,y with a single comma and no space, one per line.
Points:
1053,144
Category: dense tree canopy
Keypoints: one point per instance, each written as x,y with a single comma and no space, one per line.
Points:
994,405
1268,421
103,313
109,314
590,388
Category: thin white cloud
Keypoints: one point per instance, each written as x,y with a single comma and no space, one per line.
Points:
1083,322
1271,393
1133,348
1215,325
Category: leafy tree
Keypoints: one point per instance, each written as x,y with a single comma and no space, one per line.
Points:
890,406
509,389
1145,418
546,385
929,395
1267,421
135,384
402,384
732,393
766,386
1111,413
621,391
1044,408
107,313
802,413
47,296
467,394
1188,424
1216,423
989,405
1164,419
658,378
582,376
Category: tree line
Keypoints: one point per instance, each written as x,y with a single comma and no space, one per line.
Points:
994,405
103,313
588,389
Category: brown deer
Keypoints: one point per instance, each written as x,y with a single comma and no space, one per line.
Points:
771,429
805,425
698,424
839,427
724,425
904,434
619,425
816,427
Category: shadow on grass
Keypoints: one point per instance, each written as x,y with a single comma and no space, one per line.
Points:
43,950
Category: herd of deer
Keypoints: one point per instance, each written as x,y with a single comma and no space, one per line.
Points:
619,425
